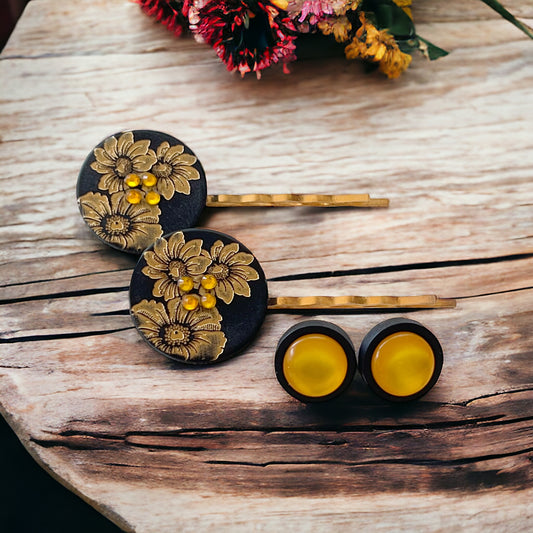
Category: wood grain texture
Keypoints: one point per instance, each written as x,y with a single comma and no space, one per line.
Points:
157,446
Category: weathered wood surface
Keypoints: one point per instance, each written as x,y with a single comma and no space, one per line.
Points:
159,447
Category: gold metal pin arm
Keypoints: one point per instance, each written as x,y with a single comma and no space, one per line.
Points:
429,301
294,200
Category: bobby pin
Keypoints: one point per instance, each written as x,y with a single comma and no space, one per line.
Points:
200,296
136,186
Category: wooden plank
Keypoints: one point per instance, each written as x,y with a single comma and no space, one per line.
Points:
158,446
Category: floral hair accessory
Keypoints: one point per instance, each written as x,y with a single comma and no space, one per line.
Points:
251,35
136,186
199,296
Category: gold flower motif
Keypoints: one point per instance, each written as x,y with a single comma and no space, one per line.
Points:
231,270
174,259
114,220
186,335
121,157
173,170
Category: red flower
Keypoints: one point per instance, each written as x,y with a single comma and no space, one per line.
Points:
248,35
171,13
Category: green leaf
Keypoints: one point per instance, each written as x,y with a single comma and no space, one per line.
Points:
391,17
509,16
430,50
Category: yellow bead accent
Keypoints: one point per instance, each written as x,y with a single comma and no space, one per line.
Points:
208,301
315,365
190,302
132,180
403,363
152,197
186,284
149,180
209,282
134,196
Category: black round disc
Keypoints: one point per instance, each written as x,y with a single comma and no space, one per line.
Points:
380,333
310,327
103,192
201,335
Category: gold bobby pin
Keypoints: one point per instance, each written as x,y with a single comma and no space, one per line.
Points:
428,301
295,200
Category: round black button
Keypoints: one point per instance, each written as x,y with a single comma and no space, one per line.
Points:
400,359
136,186
198,296
315,361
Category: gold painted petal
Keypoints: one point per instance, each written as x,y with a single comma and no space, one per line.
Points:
177,313
124,142
246,272
138,148
206,319
94,205
175,245
103,162
241,258
187,173
162,149
154,261
210,347
198,265
190,249
159,287
224,291
180,185
146,235
154,273
240,286
216,249
174,152
142,163
161,251
184,159
165,187
151,315
110,146
111,183
228,251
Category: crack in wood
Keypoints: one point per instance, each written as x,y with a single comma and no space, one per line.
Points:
413,462
490,395
66,294
58,336
401,268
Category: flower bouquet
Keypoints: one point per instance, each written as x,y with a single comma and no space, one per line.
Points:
251,35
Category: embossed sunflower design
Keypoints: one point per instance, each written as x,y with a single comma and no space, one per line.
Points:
172,260
186,335
231,269
120,157
173,170
120,223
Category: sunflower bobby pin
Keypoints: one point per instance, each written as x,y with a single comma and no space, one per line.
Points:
136,186
200,296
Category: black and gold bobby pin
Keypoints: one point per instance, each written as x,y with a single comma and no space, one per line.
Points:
137,186
199,296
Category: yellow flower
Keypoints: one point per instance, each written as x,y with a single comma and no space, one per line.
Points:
379,46
173,170
121,157
121,224
341,6
184,335
231,270
340,27
174,259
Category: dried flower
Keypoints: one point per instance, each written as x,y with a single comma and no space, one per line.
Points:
248,36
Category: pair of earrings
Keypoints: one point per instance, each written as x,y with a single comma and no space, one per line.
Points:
399,359
196,295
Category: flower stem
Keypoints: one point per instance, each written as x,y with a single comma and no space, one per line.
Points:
494,4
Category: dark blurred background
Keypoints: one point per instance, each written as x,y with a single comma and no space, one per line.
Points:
30,500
